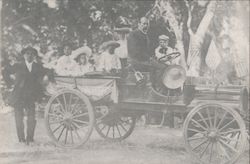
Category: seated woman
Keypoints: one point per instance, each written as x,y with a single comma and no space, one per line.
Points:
83,66
66,64
109,62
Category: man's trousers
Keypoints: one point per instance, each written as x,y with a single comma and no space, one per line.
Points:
31,122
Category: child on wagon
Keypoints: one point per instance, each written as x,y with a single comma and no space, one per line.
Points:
109,62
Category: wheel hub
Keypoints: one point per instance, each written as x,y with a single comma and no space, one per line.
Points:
67,117
212,135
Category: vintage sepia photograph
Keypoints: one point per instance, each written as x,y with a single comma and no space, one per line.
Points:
124,81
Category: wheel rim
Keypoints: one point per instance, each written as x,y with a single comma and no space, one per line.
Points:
69,119
115,126
215,134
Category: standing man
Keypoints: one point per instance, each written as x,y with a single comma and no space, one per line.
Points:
27,90
138,49
137,42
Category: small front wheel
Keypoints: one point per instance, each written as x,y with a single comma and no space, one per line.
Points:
115,126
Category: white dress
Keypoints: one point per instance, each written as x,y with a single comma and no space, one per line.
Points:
66,66
108,62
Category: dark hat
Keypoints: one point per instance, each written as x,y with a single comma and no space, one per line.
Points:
111,43
31,49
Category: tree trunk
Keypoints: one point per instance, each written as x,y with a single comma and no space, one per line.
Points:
197,39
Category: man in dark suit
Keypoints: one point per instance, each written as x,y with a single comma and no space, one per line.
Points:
138,48
27,90
138,43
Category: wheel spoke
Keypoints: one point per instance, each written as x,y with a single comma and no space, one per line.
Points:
66,136
57,128
195,138
76,109
195,130
203,119
197,123
61,133
226,125
202,153
70,99
209,116
222,119
75,130
222,150
118,130
215,117
107,131
211,152
122,127
80,121
80,115
65,102
200,144
58,100
229,139
76,125
231,131
76,103
229,146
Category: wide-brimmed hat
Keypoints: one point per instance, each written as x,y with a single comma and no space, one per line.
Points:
31,49
81,51
108,44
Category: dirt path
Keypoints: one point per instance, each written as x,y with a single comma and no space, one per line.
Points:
145,146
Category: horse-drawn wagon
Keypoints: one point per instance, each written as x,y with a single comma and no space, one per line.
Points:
214,129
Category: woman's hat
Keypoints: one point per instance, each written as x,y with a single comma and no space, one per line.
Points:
108,44
81,51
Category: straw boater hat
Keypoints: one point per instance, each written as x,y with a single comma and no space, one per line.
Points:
163,37
108,44
81,51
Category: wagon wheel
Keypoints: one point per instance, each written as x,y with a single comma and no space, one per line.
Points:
215,134
115,126
69,118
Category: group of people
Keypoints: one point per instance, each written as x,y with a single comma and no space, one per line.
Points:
114,56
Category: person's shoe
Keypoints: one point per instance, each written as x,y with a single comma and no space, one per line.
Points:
22,140
29,141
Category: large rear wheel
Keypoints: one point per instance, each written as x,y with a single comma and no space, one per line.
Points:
215,134
69,118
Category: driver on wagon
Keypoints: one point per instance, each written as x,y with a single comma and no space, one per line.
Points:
164,50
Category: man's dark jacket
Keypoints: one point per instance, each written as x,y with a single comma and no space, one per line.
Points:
28,86
138,43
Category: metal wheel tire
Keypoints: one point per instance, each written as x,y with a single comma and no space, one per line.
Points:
115,127
69,118
215,134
